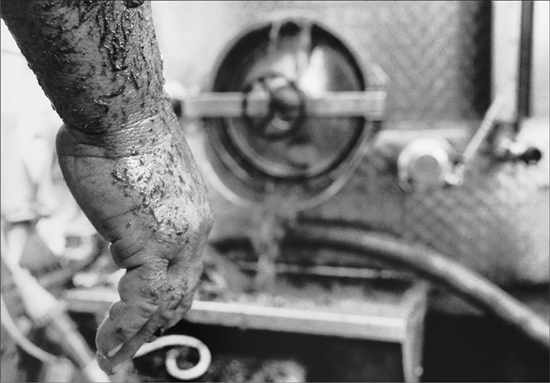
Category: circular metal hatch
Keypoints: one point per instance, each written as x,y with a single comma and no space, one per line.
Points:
290,150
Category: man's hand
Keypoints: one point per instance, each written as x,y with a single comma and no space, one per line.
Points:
122,154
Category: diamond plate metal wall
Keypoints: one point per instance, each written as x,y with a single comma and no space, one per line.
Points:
496,222
436,54
437,57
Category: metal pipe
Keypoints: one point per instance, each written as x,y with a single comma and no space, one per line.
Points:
47,312
480,136
524,64
330,271
20,339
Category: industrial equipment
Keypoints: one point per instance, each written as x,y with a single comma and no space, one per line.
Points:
329,224
289,115
291,112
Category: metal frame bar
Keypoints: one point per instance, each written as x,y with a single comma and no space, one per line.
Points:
369,104
384,322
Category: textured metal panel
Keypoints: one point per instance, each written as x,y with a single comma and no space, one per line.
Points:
436,54
495,218
496,222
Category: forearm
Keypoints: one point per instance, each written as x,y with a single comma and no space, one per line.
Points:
121,153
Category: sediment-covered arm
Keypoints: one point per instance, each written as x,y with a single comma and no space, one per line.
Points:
122,154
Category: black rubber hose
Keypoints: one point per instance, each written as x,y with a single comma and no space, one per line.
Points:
426,263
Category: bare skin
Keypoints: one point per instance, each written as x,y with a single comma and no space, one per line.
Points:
122,154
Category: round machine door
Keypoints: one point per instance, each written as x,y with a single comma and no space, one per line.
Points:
290,114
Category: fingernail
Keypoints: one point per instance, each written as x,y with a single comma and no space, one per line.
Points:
114,351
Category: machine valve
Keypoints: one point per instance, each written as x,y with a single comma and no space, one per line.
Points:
511,151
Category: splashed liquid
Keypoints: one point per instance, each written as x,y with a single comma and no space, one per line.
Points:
269,227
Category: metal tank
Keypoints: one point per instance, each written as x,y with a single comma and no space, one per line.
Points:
362,116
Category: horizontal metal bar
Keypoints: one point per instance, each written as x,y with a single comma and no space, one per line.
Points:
369,104
346,104
383,323
331,271
373,327
223,105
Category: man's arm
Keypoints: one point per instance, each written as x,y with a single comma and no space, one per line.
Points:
122,154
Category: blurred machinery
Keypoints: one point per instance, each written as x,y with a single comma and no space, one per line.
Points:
348,152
